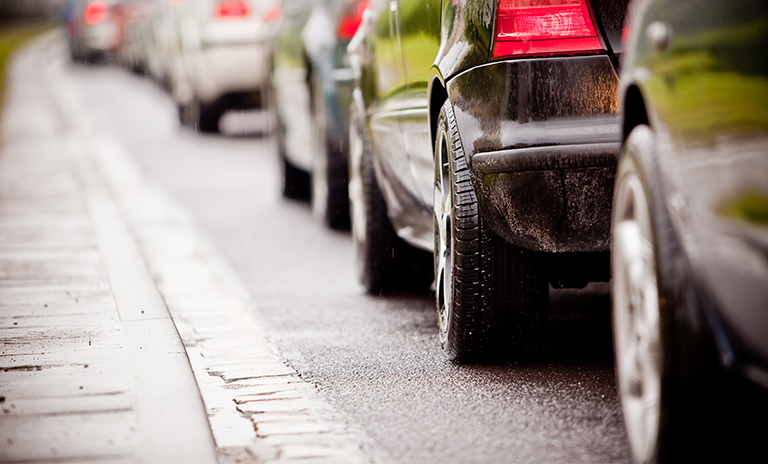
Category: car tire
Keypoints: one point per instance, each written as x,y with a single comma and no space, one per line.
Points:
491,296
384,262
330,196
295,183
674,394
635,306
200,116
208,118
182,111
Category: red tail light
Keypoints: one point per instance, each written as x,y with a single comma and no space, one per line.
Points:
544,27
274,14
96,12
349,24
233,9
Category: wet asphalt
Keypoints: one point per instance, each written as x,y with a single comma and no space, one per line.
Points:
376,360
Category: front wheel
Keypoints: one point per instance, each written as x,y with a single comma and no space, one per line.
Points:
295,182
491,296
674,396
636,313
384,262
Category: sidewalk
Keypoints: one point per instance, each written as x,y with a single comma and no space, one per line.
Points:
125,338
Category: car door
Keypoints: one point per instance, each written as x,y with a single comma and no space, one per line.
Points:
710,87
386,106
419,37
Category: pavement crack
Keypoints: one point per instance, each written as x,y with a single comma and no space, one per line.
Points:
25,368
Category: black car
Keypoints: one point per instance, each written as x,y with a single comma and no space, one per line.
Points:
485,133
690,231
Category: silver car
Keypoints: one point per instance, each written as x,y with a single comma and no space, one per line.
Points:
219,59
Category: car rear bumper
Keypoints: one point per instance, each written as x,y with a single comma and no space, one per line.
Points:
231,69
542,136
101,38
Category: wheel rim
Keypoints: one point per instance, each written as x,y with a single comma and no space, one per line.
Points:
356,203
443,206
636,318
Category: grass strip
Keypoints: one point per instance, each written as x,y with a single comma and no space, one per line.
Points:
12,36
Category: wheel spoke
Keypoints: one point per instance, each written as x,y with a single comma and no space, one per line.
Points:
636,316
443,206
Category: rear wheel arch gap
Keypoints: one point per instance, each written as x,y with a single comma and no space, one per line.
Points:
635,111
437,97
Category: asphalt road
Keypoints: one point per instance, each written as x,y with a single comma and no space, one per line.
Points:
375,359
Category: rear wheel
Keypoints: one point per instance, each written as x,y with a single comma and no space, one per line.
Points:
491,296
384,262
200,116
209,116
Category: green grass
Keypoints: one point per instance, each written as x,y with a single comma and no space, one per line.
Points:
13,36
751,207
712,103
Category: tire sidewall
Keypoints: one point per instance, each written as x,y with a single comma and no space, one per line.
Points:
683,365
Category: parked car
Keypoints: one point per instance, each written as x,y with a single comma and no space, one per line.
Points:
158,45
131,51
690,231
312,88
218,58
93,28
485,133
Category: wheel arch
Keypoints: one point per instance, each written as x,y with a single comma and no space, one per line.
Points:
437,97
635,111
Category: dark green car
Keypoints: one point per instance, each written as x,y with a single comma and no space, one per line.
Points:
483,147
690,231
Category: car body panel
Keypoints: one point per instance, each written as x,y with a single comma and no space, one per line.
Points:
701,69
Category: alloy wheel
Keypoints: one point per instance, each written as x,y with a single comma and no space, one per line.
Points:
636,317
443,208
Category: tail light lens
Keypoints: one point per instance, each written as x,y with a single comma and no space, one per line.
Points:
233,9
274,14
350,23
96,12
544,27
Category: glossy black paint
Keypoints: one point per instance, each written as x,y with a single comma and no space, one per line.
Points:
697,73
554,112
419,53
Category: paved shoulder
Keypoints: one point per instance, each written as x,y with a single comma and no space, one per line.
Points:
88,343
108,293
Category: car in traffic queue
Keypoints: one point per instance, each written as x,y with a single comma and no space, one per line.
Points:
311,82
156,53
485,134
218,58
92,28
690,231
131,53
